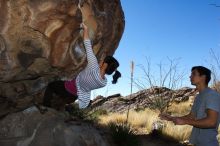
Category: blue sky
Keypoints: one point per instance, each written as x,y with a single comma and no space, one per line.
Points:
157,29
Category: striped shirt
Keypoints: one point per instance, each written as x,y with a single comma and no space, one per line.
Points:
89,78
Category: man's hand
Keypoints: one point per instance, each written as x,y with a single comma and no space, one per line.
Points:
166,117
175,120
179,121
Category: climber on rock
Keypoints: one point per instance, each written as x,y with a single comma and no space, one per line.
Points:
90,78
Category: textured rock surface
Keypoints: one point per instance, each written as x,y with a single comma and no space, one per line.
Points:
141,99
30,128
40,41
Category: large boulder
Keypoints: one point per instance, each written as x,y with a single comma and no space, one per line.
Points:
142,99
31,128
41,41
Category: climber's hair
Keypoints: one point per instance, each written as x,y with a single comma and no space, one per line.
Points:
112,67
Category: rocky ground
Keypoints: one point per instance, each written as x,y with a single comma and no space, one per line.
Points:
30,127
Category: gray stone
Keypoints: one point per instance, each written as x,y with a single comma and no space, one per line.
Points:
31,128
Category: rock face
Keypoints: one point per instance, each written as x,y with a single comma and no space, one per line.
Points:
141,99
30,128
40,41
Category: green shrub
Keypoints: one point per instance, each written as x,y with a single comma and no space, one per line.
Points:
159,103
76,112
94,115
122,134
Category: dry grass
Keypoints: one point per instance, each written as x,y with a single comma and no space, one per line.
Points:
142,122
180,133
182,108
216,86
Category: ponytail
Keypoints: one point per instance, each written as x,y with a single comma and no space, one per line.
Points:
115,77
112,67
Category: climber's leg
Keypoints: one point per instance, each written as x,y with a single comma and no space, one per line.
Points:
58,88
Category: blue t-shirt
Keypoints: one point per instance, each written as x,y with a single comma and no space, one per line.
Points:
207,99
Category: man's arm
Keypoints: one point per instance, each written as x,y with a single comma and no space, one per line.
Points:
189,116
171,118
210,121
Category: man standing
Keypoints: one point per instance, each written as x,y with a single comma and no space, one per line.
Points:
205,112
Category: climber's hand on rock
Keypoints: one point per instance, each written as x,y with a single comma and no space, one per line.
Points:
85,32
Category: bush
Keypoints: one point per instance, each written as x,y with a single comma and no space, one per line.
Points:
95,114
159,103
122,134
73,110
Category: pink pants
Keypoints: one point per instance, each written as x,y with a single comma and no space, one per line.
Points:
71,86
